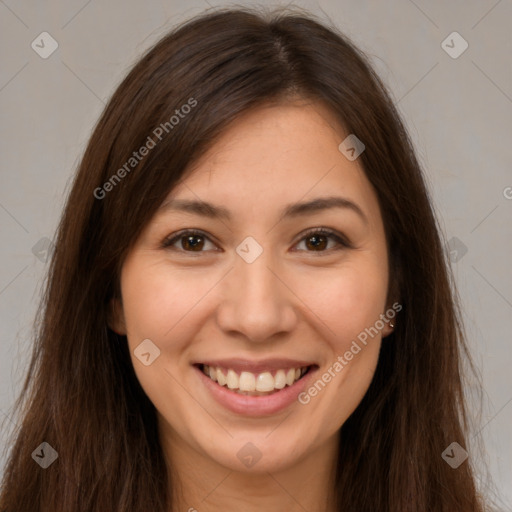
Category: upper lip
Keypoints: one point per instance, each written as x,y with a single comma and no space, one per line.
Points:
240,365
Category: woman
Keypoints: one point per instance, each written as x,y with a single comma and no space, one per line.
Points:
249,301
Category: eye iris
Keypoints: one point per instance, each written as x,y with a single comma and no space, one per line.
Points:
319,242
190,242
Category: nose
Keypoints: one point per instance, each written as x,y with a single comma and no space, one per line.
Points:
257,303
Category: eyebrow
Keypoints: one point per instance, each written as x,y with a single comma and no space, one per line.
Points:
319,204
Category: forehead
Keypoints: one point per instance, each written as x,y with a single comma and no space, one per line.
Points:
277,155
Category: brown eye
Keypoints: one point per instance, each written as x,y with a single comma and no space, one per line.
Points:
187,241
192,242
317,240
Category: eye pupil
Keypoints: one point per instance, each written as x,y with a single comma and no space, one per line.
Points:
318,241
190,242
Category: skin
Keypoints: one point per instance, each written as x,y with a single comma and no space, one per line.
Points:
292,301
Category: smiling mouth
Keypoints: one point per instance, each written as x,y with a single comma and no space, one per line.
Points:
254,384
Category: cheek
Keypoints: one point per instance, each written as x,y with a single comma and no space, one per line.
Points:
161,304
153,297
347,300
164,304
150,305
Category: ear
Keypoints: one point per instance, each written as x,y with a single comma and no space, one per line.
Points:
387,330
116,320
394,288
392,320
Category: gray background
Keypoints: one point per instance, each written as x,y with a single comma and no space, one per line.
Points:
458,111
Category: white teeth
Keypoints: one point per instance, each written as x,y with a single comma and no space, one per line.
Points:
232,379
220,377
248,382
265,382
280,379
290,376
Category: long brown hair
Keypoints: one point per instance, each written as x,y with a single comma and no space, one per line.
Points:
81,395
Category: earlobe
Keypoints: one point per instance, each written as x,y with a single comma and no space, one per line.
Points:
391,318
387,331
116,320
389,328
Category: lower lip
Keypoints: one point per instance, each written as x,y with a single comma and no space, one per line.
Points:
255,405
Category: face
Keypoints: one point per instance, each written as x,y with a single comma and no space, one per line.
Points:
264,283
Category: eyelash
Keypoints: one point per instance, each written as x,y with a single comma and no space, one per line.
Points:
343,242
